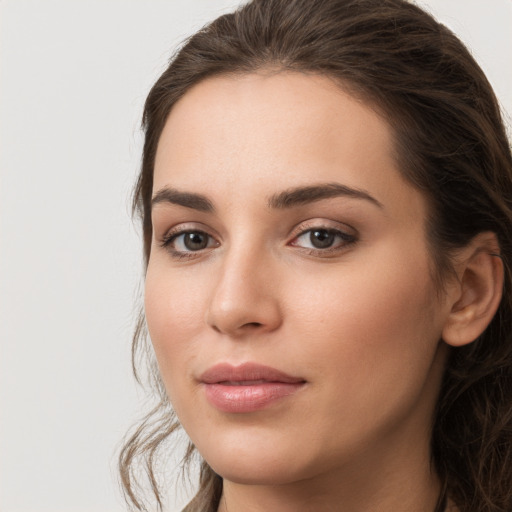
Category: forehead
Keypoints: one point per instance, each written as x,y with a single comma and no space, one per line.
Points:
242,134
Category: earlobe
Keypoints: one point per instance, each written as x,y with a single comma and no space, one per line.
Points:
478,292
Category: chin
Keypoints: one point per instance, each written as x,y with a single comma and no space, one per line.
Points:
256,471
254,459
253,464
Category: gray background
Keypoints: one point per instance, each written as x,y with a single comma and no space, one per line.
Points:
73,78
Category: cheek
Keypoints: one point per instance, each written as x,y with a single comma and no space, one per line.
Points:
367,300
373,335
174,309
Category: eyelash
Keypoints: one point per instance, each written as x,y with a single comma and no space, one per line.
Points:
346,241
173,235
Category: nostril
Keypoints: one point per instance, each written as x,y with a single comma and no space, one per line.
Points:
240,329
246,326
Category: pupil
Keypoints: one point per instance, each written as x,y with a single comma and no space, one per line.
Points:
322,238
195,241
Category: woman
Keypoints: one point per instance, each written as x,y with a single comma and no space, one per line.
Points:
326,195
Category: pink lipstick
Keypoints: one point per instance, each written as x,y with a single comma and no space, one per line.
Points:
248,387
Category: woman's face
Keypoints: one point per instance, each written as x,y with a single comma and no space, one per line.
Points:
289,295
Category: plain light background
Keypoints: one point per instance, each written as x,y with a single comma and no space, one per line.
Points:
73,78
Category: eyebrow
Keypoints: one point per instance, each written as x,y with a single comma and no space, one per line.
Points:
309,194
186,199
289,198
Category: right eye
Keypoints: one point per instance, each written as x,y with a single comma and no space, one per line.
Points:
183,243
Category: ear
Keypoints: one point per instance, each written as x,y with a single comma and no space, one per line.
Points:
477,294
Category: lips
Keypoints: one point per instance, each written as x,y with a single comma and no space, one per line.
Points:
247,388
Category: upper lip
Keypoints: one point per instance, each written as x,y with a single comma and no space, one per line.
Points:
247,372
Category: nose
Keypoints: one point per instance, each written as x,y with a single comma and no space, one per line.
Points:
245,299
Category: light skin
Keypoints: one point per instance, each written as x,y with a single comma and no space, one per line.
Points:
251,167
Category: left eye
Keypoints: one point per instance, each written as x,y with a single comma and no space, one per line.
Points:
190,241
321,238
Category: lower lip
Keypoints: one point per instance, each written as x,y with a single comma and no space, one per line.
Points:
248,398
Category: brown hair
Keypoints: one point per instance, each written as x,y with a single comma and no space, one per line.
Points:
450,144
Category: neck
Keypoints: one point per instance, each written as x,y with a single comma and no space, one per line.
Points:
351,490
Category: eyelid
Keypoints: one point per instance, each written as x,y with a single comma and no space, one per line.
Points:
174,236
165,241
185,227
319,223
347,233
